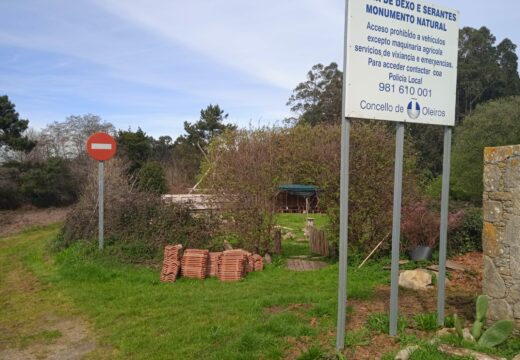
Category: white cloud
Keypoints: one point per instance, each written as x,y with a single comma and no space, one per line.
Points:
275,41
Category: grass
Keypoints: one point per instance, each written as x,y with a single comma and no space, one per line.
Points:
295,223
426,321
263,317
380,322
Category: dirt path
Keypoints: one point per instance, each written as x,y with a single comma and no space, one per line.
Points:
37,320
12,222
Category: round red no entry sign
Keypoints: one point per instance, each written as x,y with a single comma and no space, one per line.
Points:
101,146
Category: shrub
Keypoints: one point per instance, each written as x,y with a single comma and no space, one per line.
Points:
151,178
49,183
468,236
421,225
244,169
137,224
10,196
494,123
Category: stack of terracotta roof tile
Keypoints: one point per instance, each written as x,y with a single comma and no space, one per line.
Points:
250,264
258,262
232,265
195,263
213,263
171,263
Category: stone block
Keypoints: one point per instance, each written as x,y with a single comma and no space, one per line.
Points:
512,231
514,259
495,155
500,196
493,286
512,174
516,202
491,237
493,211
418,279
499,310
516,311
492,175
513,294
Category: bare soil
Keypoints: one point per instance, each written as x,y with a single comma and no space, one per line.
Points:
14,221
74,341
461,292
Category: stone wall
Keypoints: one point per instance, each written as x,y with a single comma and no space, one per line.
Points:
501,233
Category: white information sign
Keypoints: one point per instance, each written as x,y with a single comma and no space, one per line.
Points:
401,61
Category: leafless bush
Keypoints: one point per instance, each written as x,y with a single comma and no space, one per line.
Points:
138,224
244,169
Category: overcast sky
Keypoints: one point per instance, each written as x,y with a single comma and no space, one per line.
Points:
156,64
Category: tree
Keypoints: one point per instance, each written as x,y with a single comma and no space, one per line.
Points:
189,149
494,123
485,71
67,139
135,147
12,127
318,99
49,184
151,178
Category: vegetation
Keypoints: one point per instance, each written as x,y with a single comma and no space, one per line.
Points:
486,71
492,124
151,178
318,100
137,223
189,149
244,169
54,171
467,236
136,316
12,128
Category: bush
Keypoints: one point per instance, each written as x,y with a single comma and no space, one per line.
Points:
151,178
495,123
468,236
49,184
420,225
244,169
137,224
10,196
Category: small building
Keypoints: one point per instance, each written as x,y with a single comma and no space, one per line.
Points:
296,198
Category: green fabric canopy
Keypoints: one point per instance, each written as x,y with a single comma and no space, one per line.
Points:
299,190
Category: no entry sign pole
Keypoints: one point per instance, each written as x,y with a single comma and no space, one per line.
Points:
101,147
101,202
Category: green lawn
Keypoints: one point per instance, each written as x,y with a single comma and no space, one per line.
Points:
295,223
270,315
266,316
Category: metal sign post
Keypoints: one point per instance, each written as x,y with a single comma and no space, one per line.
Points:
101,147
101,188
441,284
343,211
396,226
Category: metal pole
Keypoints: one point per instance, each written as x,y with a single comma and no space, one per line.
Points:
396,227
343,231
441,284
101,176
